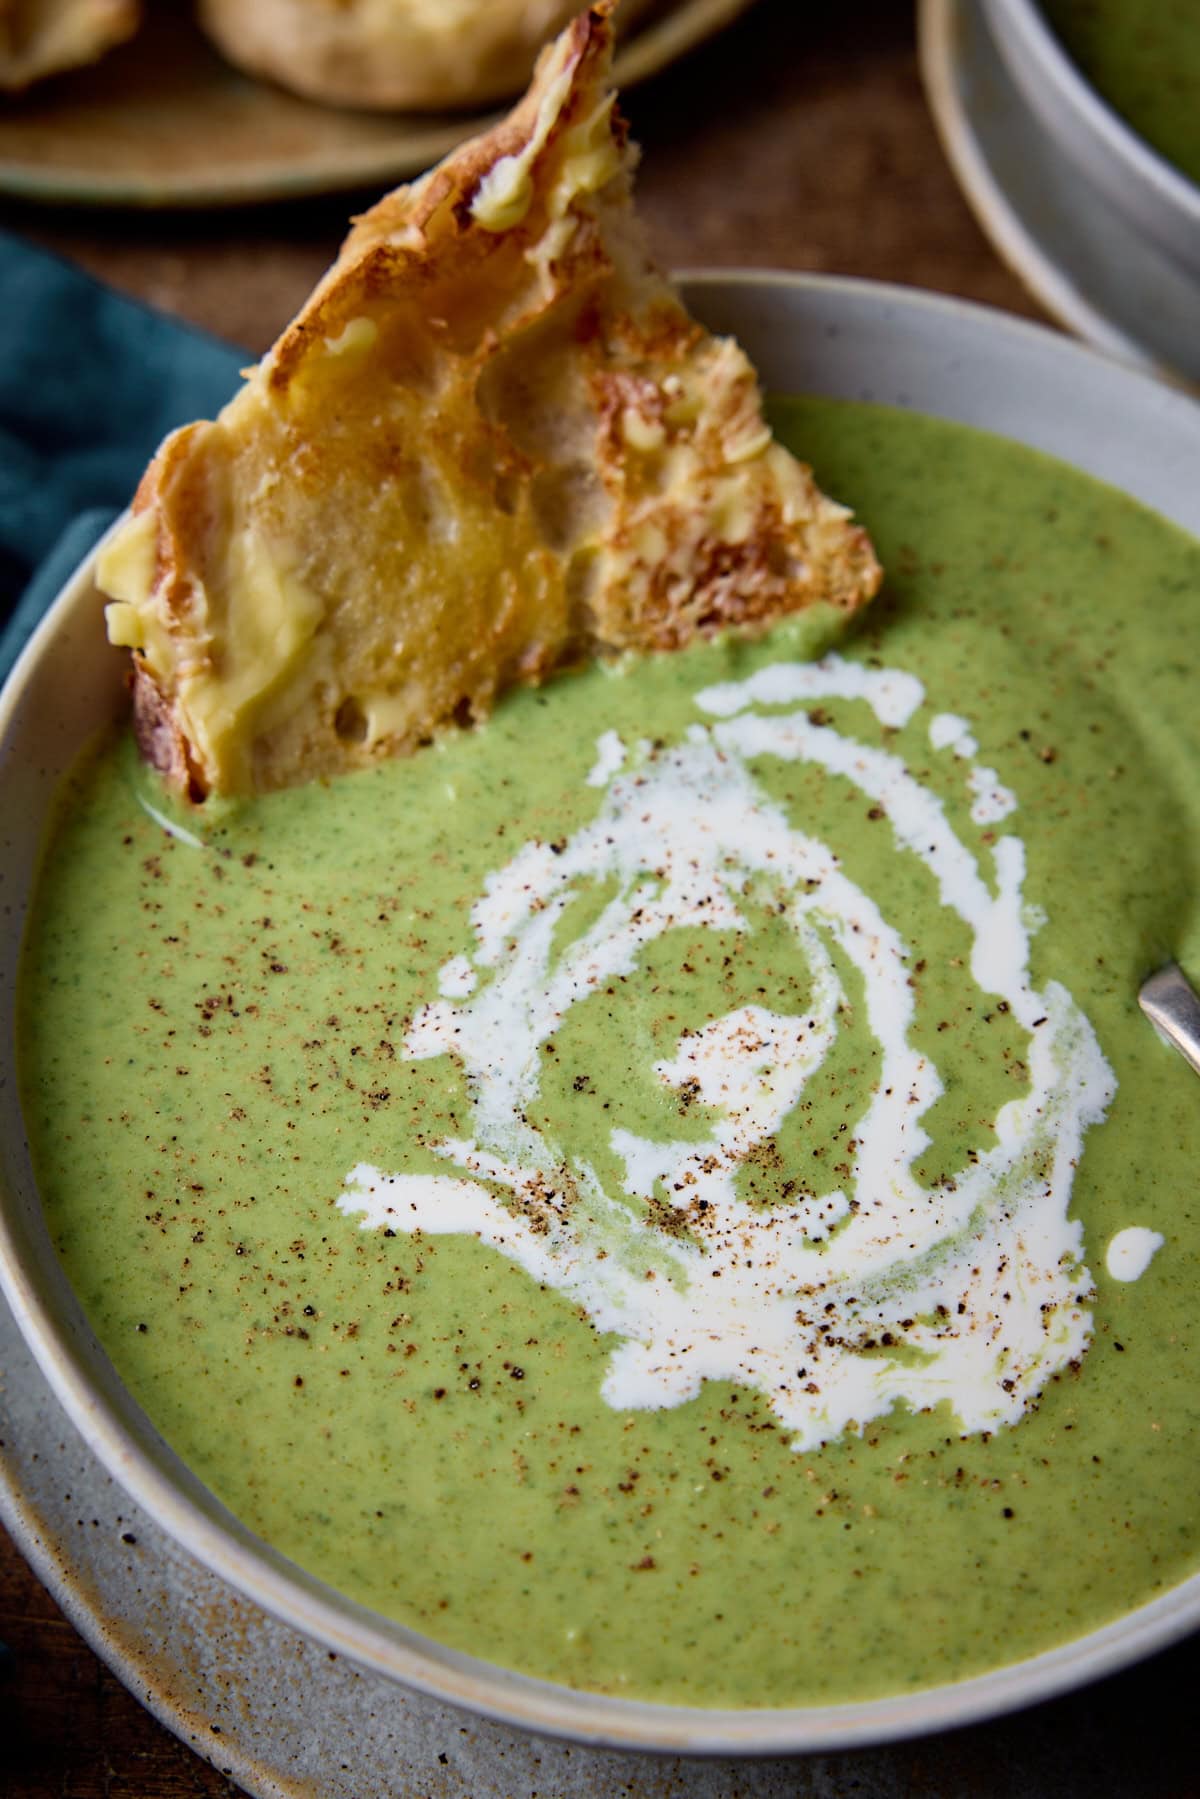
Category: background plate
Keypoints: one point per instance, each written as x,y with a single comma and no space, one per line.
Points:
164,121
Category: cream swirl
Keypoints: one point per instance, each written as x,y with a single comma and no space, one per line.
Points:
836,1305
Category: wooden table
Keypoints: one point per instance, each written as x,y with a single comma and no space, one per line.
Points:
798,140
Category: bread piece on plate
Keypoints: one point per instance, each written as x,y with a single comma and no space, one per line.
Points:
391,53
43,37
492,443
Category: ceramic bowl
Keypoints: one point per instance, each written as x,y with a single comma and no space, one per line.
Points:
847,339
1152,196
1090,268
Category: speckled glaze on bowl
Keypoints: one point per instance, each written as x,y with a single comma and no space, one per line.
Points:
1152,195
847,339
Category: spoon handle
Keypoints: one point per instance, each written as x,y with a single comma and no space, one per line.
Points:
1172,1005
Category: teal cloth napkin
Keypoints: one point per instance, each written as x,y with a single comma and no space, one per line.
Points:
90,383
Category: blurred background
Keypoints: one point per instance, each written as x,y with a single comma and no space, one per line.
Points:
797,137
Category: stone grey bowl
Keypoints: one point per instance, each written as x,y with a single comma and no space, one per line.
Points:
1153,196
848,339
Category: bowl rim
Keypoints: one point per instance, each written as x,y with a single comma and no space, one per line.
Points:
1154,195
953,47
196,1520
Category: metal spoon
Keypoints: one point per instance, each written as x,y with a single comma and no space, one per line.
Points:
1172,1005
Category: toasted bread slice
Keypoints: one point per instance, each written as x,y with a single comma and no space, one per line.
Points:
492,443
44,37
387,53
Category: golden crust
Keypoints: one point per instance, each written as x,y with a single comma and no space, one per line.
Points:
491,443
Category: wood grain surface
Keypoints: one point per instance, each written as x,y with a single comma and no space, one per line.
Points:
798,140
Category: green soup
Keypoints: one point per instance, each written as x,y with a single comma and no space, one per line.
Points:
1143,57
631,1192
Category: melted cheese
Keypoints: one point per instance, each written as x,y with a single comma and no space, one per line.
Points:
125,569
590,159
259,625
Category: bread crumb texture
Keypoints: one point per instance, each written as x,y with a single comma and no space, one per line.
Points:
492,444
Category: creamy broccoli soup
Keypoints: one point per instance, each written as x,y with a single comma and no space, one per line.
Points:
1143,57
672,1191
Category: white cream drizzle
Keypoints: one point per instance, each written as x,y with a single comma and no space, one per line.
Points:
610,755
834,1306
993,801
1131,1252
456,978
949,732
